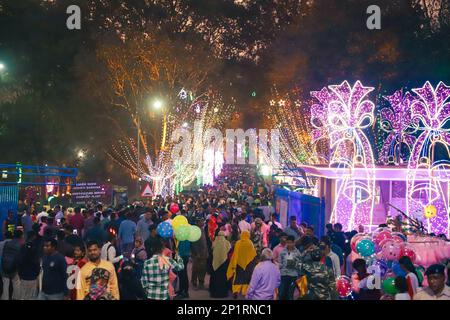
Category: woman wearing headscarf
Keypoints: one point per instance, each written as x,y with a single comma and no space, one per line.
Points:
242,264
218,282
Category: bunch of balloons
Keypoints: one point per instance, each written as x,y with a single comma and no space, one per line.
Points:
183,230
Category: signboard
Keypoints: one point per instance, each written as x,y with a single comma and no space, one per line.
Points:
91,192
147,193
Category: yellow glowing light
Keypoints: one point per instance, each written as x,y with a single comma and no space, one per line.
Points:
157,104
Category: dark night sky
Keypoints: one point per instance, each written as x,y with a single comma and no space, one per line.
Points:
305,47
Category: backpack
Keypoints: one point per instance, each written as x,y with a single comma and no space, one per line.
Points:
9,258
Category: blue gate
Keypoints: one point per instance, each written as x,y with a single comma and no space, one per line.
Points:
9,197
306,208
15,175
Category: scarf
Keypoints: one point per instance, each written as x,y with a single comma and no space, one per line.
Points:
220,247
244,253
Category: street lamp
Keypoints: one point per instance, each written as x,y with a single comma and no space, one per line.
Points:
2,66
157,104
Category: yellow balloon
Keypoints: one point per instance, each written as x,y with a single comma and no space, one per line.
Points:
179,221
430,211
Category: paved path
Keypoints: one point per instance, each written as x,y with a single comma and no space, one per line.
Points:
203,294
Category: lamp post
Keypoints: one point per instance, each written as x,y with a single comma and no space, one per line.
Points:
157,104
138,124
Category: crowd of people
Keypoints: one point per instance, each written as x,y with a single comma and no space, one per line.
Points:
97,253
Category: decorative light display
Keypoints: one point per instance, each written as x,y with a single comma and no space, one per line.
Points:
432,111
168,175
397,122
183,94
342,115
292,121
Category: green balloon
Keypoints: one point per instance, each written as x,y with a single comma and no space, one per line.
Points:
182,233
419,274
389,286
194,233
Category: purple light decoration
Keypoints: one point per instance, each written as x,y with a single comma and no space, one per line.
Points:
341,116
432,109
398,123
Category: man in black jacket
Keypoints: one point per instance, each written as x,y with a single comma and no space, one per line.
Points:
9,267
151,240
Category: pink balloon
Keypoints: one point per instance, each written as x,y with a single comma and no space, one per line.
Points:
408,251
391,250
383,235
343,286
398,239
174,208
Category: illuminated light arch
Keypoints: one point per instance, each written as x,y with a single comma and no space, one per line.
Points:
341,116
432,111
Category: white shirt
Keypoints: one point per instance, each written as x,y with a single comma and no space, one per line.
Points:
414,282
244,226
108,253
402,296
336,264
59,215
40,215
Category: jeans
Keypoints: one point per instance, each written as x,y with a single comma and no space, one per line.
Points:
28,289
56,296
183,276
14,280
286,287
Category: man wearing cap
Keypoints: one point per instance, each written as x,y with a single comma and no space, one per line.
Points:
436,290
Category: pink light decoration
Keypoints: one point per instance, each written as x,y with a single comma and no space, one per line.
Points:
341,116
432,109
398,123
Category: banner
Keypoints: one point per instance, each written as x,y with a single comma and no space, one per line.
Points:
91,192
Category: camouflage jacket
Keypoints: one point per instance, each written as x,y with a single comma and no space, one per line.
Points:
321,281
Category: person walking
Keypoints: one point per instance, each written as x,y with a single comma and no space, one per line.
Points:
242,264
97,277
29,268
155,275
184,251
199,253
54,273
265,278
218,287
142,228
289,257
9,266
127,230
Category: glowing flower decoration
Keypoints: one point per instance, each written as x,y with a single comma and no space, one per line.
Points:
341,116
397,122
432,110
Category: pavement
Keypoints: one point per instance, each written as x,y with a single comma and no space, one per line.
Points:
203,294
